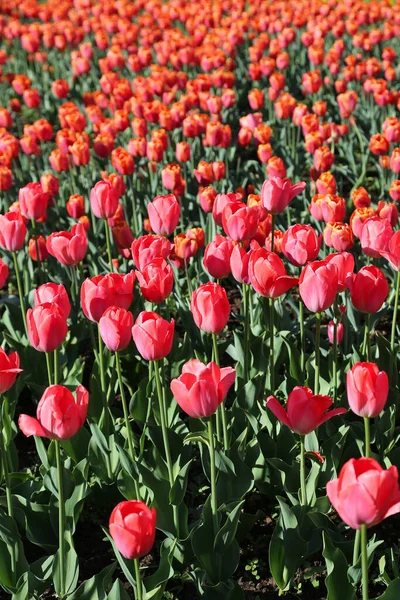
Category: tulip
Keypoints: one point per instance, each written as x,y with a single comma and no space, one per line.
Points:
164,213
217,257
338,236
339,332
239,221
115,328
153,335
328,207
276,193
368,289
103,291
9,369
304,410
3,273
33,201
59,415
301,244
367,389
239,264
47,327
37,248
53,293
268,275
148,247
318,285
12,231
202,388
133,528
69,248
156,280
220,201
365,493
104,200
344,263
375,236
210,307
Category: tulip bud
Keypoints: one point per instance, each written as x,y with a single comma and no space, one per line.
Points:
210,307
115,328
153,335
133,528
367,389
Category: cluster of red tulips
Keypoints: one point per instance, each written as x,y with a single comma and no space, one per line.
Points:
200,275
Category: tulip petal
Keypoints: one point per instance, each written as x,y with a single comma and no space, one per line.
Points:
277,409
31,426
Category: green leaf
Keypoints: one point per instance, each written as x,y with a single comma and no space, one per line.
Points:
155,584
94,588
227,533
117,592
177,492
337,583
126,565
392,592
71,568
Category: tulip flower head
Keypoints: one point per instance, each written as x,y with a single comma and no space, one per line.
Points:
133,528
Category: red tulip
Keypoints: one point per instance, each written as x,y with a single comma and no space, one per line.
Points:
220,202
210,307
368,289
33,201
115,328
367,389
339,332
12,231
104,199
300,244
268,275
153,335
68,247
133,528
59,415
47,327
375,236
156,280
277,193
103,291
148,247
344,263
239,264
9,369
318,285
217,257
304,411
53,293
3,273
365,493
38,242
202,388
239,221
392,254
164,213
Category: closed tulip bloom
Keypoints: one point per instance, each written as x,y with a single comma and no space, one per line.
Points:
277,193
115,328
156,280
123,287
338,236
239,221
358,218
3,273
328,207
268,275
202,388
318,285
68,247
9,369
104,199
97,294
217,257
12,231
210,307
365,493
388,211
38,242
375,236
164,213
239,264
33,201
219,204
304,411
301,244
368,289
367,389
153,335
47,327
133,528
392,254
185,246
148,247
344,263
53,292
339,332
59,414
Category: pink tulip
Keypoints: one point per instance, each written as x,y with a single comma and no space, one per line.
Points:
367,389
277,193
153,335
318,285
115,328
164,213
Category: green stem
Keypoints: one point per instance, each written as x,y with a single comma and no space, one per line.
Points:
61,518
364,562
317,353
303,472
245,297
39,262
367,339
189,283
271,351
272,233
356,548
106,414
49,371
221,408
56,366
302,339
10,508
394,324
139,588
135,223
213,477
367,437
108,241
20,293
132,453
165,440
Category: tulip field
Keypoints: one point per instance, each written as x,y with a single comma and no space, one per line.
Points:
199,299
